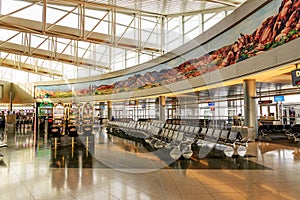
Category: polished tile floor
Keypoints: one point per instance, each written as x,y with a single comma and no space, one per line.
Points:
121,169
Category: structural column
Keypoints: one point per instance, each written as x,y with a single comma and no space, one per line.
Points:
10,99
250,107
109,110
162,110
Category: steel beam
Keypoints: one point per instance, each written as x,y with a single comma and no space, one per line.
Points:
30,26
51,55
19,65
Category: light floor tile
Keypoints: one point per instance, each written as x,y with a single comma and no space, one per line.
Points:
228,196
195,189
96,195
24,175
121,192
263,196
55,195
220,188
19,192
198,196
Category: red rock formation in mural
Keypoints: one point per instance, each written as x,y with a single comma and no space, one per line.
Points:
274,31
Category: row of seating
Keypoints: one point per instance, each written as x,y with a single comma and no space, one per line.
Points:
271,131
178,137
183,136
193,122
134,129
293,132
228,141
2,144
174,134
72,131
156,134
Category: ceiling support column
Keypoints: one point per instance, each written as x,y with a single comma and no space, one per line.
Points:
250,106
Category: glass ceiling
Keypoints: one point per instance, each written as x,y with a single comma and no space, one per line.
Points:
55,39
171,7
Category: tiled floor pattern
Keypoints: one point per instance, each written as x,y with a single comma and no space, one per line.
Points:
26,173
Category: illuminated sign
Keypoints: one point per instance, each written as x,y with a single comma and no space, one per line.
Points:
265,102
132,102
278,98
211,103
296,77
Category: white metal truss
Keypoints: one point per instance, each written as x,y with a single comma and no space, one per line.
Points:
79,33
17,63
78,47
26,49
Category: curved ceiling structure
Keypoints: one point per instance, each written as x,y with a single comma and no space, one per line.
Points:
69,39
54,37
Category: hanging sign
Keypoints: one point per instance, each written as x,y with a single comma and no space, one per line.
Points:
278,98
211,104
265,102
296,77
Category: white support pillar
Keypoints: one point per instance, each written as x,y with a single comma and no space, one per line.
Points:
250,106
162,110
109,110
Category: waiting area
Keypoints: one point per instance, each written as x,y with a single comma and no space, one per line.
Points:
126,168
150,100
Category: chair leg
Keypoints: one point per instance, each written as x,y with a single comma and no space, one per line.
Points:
55,142
72,152
72,142
87,142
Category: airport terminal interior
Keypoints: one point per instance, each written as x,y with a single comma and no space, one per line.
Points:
149,99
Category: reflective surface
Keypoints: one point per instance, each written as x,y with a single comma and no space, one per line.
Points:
26,172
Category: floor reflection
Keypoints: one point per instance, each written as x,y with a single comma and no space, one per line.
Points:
279,151
79,157
127,145
296,154
2,164
217,163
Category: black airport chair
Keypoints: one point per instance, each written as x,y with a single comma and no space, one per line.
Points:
72,132
55,132
87,132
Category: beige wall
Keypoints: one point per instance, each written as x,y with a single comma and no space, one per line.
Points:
19,96
5,93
